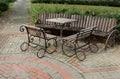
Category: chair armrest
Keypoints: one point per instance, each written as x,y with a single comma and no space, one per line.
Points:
38,21
88,29
111,29
28,26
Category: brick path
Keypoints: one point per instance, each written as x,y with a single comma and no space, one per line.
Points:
15,64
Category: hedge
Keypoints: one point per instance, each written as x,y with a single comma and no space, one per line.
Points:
3,6
85,2
102,11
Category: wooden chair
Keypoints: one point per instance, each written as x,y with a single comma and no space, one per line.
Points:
38,39
72,44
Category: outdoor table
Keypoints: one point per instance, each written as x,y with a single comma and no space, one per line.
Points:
62,22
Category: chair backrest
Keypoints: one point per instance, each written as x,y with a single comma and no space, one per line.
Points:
41,19
34,31
85,32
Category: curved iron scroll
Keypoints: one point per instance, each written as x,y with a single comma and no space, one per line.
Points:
22,28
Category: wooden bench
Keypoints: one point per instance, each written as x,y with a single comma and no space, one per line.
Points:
105,27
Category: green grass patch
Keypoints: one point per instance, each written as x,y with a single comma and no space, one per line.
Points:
74,9
11,4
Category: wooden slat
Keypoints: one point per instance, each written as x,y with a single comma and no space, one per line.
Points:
84,22
74,25
89,21
98,23
104,22
108,25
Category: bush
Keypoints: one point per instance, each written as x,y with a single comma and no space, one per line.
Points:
85,2
10,0
3,6
0,13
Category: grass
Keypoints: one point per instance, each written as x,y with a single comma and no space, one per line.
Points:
11,4
73,9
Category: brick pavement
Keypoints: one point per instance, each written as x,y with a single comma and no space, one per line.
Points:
15,64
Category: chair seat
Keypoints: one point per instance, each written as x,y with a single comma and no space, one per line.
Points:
99,33
70,38
49,36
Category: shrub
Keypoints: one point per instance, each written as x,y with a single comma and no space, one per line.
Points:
85,2
3,6
10,0
0,13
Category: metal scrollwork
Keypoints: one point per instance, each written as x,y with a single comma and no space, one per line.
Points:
32,39
38,34
22,28
34,35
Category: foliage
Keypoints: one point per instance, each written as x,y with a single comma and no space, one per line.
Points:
85,2
3,6
10,0
101,11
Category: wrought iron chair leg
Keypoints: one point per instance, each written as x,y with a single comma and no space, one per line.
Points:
26,46
80,55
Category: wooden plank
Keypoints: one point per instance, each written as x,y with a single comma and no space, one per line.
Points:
106,26
103,24
84,21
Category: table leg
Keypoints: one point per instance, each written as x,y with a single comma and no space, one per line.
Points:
61,31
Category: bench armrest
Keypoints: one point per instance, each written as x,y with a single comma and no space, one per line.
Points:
38,21
111,29
23,26
85,32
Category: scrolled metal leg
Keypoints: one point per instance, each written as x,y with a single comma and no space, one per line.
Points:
41,53
51,46
110,41
24,46
93,48
80,55
68,48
